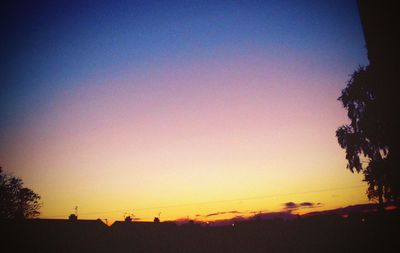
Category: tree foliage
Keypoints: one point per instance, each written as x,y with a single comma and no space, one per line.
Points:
16,201
371,138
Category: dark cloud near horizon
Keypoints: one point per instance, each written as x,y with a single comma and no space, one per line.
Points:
258,212
293,206
219,213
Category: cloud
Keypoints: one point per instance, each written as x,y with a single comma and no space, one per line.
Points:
259,211
218,213
285,214
290,205
293,206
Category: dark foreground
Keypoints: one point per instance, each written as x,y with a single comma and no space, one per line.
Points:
362,232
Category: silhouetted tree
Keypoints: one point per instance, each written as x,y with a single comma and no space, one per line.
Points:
72,217
17,201
371,138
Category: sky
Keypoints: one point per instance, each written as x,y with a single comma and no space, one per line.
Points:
184,108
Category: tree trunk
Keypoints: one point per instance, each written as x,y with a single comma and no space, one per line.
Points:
380,196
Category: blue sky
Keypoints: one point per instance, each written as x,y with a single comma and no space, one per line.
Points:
51,43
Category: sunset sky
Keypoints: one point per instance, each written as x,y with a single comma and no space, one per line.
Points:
184,108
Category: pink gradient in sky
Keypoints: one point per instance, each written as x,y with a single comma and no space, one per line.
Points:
188,131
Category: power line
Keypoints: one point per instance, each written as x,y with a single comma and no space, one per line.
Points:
250,198
219,201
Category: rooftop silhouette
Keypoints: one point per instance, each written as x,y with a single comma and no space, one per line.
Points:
325,231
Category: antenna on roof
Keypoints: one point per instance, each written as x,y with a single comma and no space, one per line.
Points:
128,217
76,211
